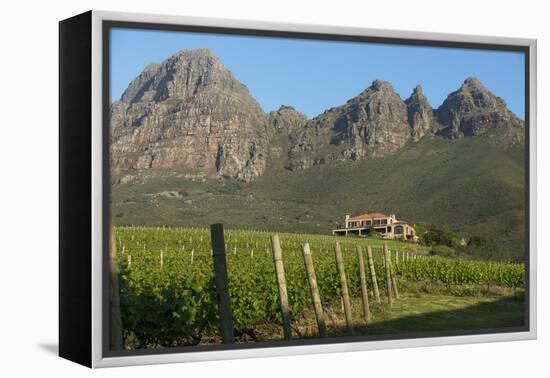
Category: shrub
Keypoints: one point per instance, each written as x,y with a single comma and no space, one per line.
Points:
375,235
443,251
478,241
436,236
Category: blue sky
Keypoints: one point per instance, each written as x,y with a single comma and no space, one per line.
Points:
313,76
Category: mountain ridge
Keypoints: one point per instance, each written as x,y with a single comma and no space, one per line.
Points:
190,111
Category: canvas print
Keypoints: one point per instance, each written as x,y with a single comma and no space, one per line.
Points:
279,190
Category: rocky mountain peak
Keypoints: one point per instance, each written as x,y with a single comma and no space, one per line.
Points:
379,91
189,111
473,81
285,107
286,119
194,54
372,123
473,110
418,90
474,94
473,90
419,113
417,96
190,72
381,85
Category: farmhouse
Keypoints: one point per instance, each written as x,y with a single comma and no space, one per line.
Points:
387,225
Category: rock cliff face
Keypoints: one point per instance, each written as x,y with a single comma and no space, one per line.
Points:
371,124
189,112
286,120
472,110
419,114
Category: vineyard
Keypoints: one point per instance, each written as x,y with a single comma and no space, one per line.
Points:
168,296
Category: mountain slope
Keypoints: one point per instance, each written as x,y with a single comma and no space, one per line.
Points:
468,185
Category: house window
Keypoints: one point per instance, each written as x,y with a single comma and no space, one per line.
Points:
384,221
389,229
398,230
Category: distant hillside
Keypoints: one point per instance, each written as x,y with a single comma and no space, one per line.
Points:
468,186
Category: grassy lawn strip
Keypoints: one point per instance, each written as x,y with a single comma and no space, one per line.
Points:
414,313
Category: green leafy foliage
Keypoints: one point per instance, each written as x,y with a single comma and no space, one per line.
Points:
459,271
437,236
175,304
443,251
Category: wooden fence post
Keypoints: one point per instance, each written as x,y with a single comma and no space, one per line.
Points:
312,279
396,258
393,283
115,332
373,274
343,285
222,283
387,263
281,283
363,280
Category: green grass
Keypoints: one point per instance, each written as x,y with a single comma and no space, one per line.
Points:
469,186
413,313
429,313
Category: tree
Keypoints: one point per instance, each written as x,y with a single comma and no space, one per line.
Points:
478,241
435,236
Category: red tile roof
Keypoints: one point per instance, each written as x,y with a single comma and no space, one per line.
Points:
369,216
